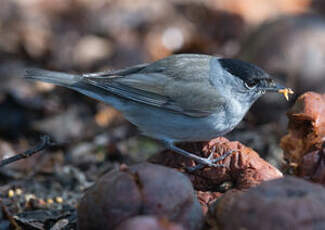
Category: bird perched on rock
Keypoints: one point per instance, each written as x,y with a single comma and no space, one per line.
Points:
181,98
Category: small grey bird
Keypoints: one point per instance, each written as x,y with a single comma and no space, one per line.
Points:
181,98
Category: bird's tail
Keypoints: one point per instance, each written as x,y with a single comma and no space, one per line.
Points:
57,78
75,82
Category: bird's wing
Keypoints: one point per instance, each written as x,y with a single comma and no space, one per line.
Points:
179,83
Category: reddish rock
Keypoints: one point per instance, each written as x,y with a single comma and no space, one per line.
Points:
306,130
221,207
206,198
143,189
244,168
281,204
312,166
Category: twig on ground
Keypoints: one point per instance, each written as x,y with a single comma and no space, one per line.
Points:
45,143
9,216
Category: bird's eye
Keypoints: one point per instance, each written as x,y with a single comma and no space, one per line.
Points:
250,85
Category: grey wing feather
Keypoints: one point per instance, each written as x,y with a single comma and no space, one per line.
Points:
119,72
165,84
125,91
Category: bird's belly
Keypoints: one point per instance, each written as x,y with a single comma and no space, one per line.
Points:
169,126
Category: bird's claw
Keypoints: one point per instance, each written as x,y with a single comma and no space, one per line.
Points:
203,165
222,157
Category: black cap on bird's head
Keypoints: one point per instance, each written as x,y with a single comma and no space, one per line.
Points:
253,76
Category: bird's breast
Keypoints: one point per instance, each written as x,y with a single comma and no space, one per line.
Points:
235,111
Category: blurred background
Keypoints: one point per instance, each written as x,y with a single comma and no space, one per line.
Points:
285,37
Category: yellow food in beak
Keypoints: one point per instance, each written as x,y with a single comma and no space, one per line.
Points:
286,92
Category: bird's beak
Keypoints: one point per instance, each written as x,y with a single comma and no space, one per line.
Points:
275,87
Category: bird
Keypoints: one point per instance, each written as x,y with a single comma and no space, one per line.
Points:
179,98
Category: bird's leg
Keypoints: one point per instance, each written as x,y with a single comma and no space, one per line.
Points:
201,166
202,162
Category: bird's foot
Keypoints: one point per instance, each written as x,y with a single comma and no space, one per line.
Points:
202,162
210,162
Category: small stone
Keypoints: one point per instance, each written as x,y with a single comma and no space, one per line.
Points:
11,193
18,191
59,199
50,201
